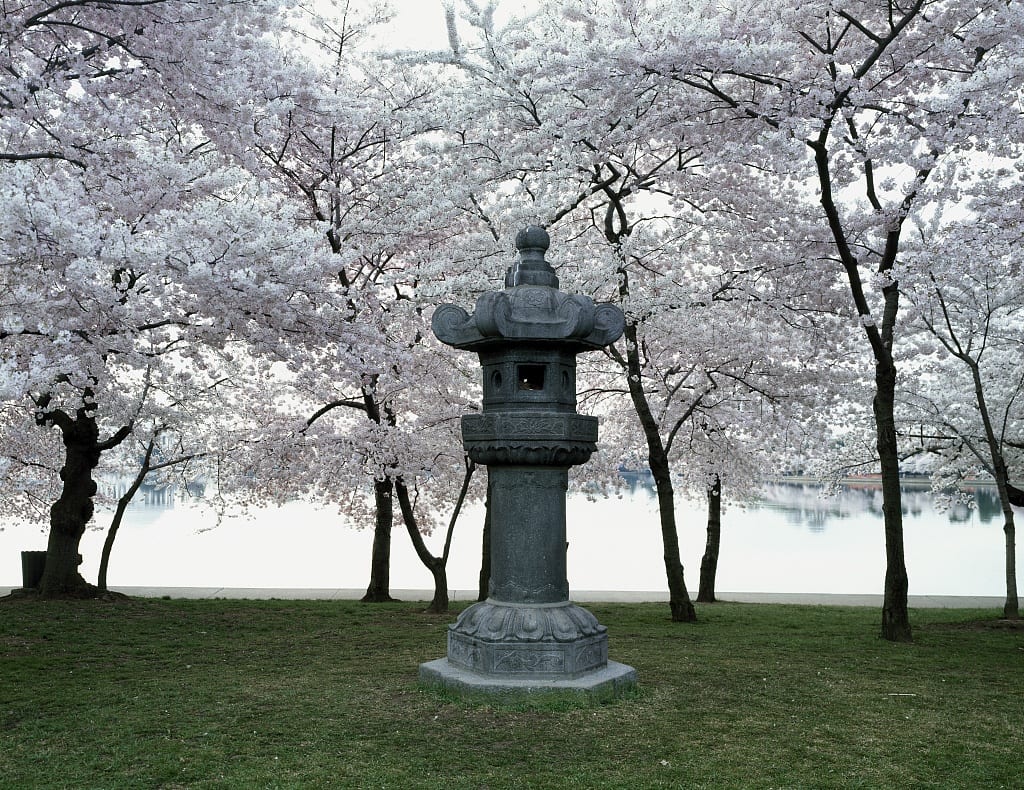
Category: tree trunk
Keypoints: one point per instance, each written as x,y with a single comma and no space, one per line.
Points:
440,603
1011,610
895,617
485,560
72,511
679,602
1001,473
379,589
438,566
108,542
709,563
122,505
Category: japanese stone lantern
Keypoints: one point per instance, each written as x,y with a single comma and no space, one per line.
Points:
527,636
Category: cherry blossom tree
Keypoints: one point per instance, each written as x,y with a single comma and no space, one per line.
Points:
969,398
885,99
565,137
102,316
371,402
133,251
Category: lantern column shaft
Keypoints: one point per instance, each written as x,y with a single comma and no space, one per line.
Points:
528,548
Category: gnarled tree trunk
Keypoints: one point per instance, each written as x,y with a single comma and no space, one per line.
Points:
73,509
438,566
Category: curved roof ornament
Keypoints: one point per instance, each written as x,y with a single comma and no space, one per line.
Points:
530,308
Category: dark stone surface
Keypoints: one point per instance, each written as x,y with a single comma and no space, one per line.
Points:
528,534
527,636
530,308
537,438
562,640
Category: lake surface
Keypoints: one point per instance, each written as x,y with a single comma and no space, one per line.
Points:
794,540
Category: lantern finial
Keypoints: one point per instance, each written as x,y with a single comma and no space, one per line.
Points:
530,268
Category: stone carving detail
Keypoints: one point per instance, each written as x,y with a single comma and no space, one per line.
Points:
528,661
552,659
518,427
561,623
463,652
451,322
529,312
551,455
594,654
537,594
543,438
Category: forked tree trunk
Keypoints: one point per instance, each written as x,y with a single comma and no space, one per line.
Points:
440,603
895,617
709,562
379,589
616,229
680,605
438,566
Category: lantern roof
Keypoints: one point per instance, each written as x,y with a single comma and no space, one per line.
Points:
531,308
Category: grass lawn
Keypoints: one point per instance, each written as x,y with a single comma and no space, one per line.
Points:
308,694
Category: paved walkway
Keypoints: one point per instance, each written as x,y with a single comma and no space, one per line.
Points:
824,599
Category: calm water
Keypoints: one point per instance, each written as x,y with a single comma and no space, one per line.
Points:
792,541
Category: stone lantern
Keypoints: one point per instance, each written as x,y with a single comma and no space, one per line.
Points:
527,636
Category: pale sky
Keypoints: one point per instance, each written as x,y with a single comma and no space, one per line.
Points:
419,24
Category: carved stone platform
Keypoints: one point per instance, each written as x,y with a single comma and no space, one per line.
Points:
540,640
528,649
606,683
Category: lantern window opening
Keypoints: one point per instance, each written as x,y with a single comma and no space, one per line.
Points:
530,377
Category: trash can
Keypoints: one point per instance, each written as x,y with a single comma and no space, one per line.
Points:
32,565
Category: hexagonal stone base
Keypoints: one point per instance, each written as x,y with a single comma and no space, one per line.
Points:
608,682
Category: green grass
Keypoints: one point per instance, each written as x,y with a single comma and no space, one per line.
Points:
246,694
